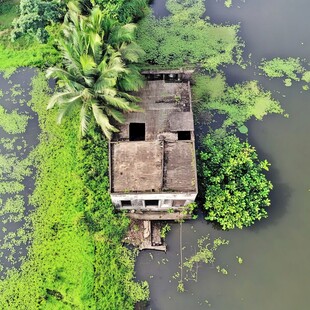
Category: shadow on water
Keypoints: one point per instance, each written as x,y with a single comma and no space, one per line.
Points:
279,195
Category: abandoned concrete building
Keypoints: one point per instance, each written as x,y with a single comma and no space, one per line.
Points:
152,158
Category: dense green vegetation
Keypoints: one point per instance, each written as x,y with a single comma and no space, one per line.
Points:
278,67
35,15
26,53
186,39
76,259
98,54
236,189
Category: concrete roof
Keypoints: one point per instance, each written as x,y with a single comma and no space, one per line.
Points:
161,163
152,166
166,108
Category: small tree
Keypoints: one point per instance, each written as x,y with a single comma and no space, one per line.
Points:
236,189
35,15
98,72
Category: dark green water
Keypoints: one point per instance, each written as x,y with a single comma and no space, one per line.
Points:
275,274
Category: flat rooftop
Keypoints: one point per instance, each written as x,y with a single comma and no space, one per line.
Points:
161,157
153,166
166,106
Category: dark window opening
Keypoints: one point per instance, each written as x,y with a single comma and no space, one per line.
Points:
151,203
136,131
184,135
154,77
126,203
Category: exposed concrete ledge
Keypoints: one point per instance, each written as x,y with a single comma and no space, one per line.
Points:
162,216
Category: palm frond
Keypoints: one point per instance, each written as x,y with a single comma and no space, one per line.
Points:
131,52
84,119
117,102
88,64
103,121
120,34
129,97
65,109
55,98
117,115
132,80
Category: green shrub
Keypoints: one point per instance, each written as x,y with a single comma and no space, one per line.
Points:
233,181
35,15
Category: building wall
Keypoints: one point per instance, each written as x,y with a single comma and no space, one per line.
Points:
152,202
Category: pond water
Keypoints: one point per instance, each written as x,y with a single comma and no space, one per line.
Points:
275,273
15,177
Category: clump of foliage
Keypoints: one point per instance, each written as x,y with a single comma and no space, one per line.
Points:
235,188
289,68
186,38
306,76
99,56
124,11
25,52
228,3
8,11
13,122
239,102
205,253
35,15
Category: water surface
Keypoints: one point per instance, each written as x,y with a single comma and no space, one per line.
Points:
275,273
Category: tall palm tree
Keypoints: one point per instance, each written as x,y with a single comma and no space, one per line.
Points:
98,72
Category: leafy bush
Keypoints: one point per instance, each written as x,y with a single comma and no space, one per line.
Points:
35,15
25,52
234,185
8,11
125,11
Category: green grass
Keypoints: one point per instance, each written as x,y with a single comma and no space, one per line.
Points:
26,52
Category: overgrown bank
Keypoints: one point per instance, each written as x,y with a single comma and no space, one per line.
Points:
76,259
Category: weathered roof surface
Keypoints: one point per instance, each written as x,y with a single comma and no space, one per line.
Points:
181,121
166,107
180,169
153,166
136,166
161,163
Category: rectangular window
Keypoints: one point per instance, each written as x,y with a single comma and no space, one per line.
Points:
136,132
184,135
151,203
126,203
